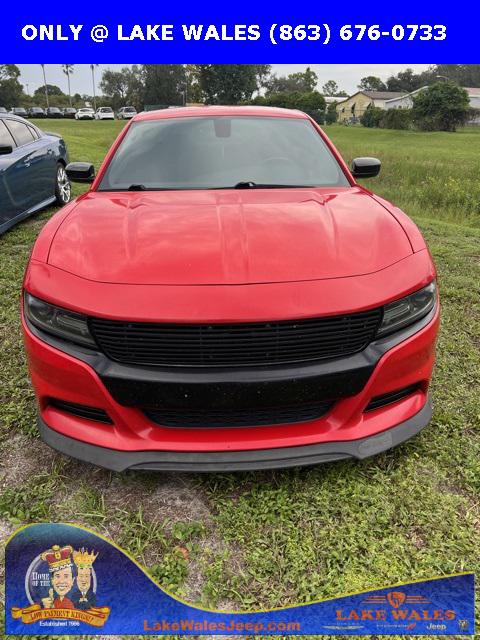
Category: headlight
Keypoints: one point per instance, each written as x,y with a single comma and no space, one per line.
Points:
408,310
59,322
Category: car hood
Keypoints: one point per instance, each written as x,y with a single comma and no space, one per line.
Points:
227,237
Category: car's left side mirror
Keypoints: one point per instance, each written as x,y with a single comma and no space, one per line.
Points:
366,167
80,172
5,148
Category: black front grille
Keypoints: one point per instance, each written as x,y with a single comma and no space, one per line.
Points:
209,418
253,343
81,410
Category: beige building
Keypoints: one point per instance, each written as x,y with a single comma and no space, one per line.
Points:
356,105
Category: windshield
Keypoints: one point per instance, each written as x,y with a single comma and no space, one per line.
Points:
222,153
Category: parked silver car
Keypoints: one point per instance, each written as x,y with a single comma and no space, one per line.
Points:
125,113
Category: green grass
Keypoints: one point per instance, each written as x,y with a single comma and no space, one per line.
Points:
277,538
427,174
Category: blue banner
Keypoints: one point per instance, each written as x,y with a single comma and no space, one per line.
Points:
427,32
62,579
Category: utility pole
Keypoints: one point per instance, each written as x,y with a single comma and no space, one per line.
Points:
45,84
92,67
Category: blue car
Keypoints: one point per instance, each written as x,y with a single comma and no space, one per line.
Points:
32,170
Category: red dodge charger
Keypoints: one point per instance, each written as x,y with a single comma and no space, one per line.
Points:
226,296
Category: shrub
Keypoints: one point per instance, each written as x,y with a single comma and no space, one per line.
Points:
396,119
317,115
331,115
441,107
311,102
371,117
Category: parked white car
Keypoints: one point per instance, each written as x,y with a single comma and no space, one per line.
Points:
125,113
104,113
86,113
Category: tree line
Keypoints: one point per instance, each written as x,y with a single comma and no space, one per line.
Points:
464,75
177,84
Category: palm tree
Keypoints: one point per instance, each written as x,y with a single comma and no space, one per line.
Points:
92,67
67,70
45,84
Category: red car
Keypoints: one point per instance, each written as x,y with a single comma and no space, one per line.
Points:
226,296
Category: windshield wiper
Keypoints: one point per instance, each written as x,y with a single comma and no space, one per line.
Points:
249,184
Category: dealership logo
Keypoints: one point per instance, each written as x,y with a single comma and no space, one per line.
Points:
396,607
61,584
396,598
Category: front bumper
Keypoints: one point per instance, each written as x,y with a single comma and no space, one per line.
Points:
217,461
347,429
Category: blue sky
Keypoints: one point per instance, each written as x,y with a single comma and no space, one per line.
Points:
347,76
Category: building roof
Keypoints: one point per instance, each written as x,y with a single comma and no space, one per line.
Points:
376,95
472,91
407,95
383,95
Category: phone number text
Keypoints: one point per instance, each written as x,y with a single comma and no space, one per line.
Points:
323,32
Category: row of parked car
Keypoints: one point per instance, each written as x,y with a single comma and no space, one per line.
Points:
85,113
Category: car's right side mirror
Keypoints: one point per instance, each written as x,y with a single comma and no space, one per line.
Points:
80,172
5,148
366,167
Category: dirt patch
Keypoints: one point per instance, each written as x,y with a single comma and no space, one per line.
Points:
163,499
166,498
6,530
23,459
418,538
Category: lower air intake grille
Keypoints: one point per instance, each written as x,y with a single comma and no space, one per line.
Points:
81,410
253,343
391,397
241,418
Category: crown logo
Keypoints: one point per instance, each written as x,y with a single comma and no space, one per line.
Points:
82,558
58,557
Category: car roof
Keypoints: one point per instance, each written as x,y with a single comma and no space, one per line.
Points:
12,116
208,111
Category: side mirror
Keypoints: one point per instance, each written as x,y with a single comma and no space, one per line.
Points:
80,172
5,148
366,167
